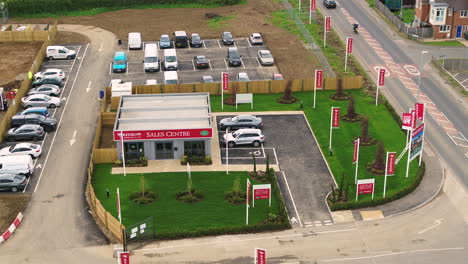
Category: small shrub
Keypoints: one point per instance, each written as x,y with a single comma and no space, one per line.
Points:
212,15
146,197
196,160
117,163
187,196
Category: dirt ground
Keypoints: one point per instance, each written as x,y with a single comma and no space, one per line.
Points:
10,206
292,58
65,37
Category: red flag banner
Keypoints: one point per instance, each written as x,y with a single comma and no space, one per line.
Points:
318,79
381,77
327,23
260,256
356,150
336,117
225,81
419,111
349,46
124,258
391,156
413,119
312,5
407,119
248,193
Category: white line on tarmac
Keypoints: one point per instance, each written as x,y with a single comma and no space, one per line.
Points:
60,122
454,142
225,64
242,63
292,199
276,157
405,77
445,121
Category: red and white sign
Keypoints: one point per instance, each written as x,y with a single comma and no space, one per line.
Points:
225,81
260,256
124,258
419,110
11,95
261,192
365,186
164,134
413,119
312,5
336,117
248,192
381,77
407,119
349,45
391,156
327,23
356,150
318,79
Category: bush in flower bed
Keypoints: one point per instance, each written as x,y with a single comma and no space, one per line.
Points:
196,160
141,162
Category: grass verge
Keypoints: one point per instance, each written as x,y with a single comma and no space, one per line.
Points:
452,43
219,22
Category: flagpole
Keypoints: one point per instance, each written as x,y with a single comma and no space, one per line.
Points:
385,179
222,90
409,154
227,153
119,213
357,160
331,121
247,203
123,152
346,55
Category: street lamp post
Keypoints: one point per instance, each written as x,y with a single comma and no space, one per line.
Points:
420,71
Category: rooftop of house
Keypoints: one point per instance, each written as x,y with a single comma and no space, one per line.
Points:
455,4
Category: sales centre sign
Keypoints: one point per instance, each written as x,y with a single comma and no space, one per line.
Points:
164,134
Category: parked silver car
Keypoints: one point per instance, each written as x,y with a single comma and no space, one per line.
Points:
26,132
265,58
256,39
34,150
245,136
40,100
49,89
240,121
12,182
50,72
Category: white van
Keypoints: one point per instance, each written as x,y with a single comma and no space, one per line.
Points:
151,62
170,60
134,40
60,52
171,77
22,164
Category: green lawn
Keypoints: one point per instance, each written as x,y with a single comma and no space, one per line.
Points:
171,215
382,126
408,14
219,22
454,43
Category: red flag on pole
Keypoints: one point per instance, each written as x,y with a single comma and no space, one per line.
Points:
381,77
349,47
312,5
391,156
419,110
407,119
318,79
413,119
356,149
336,117
124,258
260,256
327,23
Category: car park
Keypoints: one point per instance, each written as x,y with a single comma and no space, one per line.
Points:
244,136
48,123
151,61
242,77
181,40
201,62
21,164
234,57
265,58
12,182
134,40
256,39
48,89
329,3
40,100
36,110
227,38
240,121
119,64
47,80
50,73
196,41
26,132
170,62
59,52
278,76
33,150
165,42
207,79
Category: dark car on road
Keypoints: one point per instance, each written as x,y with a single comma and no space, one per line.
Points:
48,123
26,132
201,62
196,41
47,80
12,182
240,121
227,38
329,3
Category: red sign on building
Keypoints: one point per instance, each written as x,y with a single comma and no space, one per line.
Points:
419,110
336,117
260,256
124,258
349,46
356,150
312,5
318,78
381,77
164,134
365,188
225,81
260,194
327,23
391,156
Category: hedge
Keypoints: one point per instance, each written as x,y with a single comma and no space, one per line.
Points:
22,7
352,204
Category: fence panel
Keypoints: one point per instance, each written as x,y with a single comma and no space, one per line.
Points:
308,84
296,85
259,87
278,86
108,118
104,155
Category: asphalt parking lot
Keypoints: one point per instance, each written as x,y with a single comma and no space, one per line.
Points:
71,69
462,77
213,49
304,178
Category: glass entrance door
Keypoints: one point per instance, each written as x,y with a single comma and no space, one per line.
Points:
164,150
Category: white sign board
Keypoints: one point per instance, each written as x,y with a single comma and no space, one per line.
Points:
244,99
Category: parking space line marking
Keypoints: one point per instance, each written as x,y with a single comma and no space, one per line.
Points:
193,65
464,80
209,64
248,41
219,45
259,64
276,157
60,120
455,74
234,42
110,68
225,64
292,199
242,63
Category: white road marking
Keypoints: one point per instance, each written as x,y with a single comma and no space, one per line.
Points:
242,63
225,64
100,47
248,41
73,140
193,65
219,45
464,80
292,199
209,64
454,142
89,87
259,64
203,44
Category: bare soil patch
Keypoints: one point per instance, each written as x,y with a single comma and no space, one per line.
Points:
16,58
67,37
10,206
293,59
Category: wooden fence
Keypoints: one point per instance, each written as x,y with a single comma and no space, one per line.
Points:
15,104
31,33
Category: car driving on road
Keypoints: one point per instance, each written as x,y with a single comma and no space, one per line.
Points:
33,150
240,121
245,136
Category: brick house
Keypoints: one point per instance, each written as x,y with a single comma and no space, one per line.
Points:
448,18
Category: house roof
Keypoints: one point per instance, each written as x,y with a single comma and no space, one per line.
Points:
455,4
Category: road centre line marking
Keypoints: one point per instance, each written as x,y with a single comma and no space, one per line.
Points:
60,122
292,199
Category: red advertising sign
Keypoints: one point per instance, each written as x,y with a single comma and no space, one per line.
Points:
312,5
260,194
356,150
318,78
164,134
336,117
248,192
381,77
260,256
391,156
419,110
11,95
225,81
327,23
349,46
365,188
407,119
124,258
413,119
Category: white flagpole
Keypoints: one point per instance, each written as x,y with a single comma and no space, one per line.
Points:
315,87
119,213
189,171
222,90
385,179
357,160
346,55
377,95
123,152
300,6
325,33
227,153
331,121
409,154
247,203
422,142
310,12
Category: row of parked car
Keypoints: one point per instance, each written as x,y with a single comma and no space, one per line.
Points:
247,130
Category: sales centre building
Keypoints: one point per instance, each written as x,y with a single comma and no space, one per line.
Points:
163,126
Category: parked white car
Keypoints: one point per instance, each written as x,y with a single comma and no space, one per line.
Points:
242,77
33,150
50,73
40,100
265,58
151,82
49,89
256,39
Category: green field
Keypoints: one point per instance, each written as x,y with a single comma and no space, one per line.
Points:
453,43
171,215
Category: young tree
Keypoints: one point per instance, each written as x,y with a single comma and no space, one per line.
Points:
267,164
351,109
287,96
236,188
379,162
339,89
365,130
232,97
254,163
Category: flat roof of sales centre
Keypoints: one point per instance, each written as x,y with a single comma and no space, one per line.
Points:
163,112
